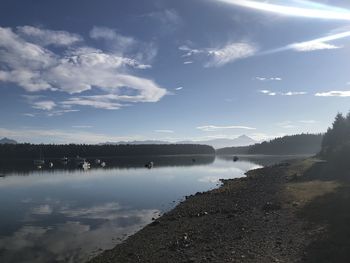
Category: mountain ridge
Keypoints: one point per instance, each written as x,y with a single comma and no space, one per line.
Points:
6,140
242,140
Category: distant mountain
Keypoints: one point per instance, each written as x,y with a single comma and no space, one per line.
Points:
242,140
136,142
7,141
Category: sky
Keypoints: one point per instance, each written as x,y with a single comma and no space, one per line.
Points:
89,71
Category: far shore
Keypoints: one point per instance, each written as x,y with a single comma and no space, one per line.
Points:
279,213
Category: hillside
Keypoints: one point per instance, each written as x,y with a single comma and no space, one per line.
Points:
7,141
294,144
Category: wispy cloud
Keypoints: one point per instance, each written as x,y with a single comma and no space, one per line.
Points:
45,37
319,43
164,131
94,102
210,128
31,115
220,56
297,8
268,92
289,93
311,45
334,93
287,125
82,126
44,105
308,121
179,88
268,78
35,67
169,19
188,62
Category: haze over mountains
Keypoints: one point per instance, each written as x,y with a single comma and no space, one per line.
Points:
242,140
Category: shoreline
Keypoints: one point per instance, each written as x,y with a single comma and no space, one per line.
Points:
263,217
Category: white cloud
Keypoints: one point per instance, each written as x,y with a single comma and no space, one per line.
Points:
312,46
82,126
268,92
289,93
293,93
296,8
60,112
230,53
79,69
92,102
308,121
316,44
268,78
334,93
188,62
31,115
45,37
44,105
287,125
164,131
220,56
179,88
210,128
189,51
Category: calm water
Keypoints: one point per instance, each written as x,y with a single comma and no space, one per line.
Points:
69,215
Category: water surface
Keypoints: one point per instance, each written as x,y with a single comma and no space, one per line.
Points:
68,215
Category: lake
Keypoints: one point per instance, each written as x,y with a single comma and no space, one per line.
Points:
64,214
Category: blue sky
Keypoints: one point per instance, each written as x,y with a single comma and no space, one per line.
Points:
95,71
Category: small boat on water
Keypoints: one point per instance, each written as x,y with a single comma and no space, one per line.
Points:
149,165
84,165
235,158
50,164
97,161
103,164
39,162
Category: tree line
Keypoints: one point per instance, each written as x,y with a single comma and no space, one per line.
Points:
293,144
336,141
46,151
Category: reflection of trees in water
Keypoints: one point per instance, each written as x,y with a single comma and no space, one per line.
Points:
263,160
24,166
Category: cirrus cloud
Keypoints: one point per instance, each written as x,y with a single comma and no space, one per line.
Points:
334,93
209,128
222,55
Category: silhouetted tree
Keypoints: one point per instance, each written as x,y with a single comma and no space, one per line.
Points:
336,142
